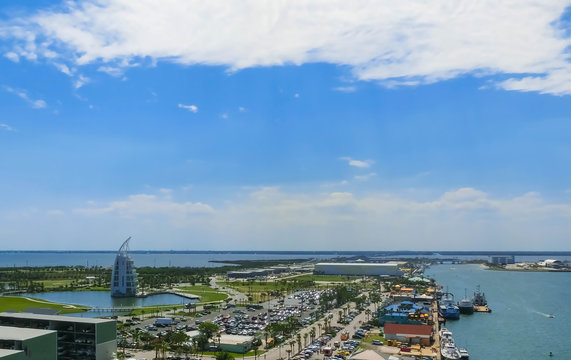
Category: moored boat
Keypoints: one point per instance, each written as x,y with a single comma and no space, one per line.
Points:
464,354
465,305
447,307
479,298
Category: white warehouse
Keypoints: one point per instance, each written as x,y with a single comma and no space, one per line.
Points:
360,269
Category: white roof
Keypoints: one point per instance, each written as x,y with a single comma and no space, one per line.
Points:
21,334
24,315
6,352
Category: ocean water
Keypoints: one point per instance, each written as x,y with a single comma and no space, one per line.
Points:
203,258
519,326
156,259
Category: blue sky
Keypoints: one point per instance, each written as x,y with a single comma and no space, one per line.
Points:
242,125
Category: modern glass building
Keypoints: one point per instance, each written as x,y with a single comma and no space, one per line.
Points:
124,275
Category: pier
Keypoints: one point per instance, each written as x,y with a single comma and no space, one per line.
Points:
436,329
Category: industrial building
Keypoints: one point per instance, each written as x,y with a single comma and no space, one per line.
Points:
28,344
75,338
124,275
359,269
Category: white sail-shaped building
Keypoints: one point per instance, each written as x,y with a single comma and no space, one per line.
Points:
124,275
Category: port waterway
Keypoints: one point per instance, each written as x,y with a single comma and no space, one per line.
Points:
519,326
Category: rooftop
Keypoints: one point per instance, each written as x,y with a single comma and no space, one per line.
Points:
23,315
21,334
408,329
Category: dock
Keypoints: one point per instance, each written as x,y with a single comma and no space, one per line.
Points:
483,309
436,329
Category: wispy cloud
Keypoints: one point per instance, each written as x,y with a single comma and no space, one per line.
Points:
6,127
400,43
365,177
364,164
241,109
191,108
345,89
80,81
23,94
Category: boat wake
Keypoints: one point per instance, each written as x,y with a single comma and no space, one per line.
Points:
545,314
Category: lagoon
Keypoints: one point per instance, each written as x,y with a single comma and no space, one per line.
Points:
103,299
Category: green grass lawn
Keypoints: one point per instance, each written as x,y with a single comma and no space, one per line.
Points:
17,303
206,293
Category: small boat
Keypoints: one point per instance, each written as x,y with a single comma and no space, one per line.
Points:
449,351
550,316
464,354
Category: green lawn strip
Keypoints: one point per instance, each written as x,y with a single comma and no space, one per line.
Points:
206,293
373,336
236,355
17,303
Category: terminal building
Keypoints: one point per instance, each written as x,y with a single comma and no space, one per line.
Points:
359,269
124,275
55,337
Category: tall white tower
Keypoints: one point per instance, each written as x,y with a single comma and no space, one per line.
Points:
124,276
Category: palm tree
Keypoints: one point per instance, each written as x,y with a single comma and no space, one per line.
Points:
288,353
298,338
305,336
319,326
368,312
312,333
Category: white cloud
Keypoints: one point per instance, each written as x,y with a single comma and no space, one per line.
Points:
296,95
6,127
23,94
365,177
12,56
80,81
191,108
64,69
364,164
241,109
224,116
395,42
345,89
274,218
145,204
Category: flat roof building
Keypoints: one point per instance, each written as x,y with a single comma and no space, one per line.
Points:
12,354
76,338
34,344
359,269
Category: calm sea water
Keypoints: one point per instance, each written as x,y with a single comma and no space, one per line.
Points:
202,259
106,259
519,326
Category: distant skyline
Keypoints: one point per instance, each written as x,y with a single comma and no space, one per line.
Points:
322,125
